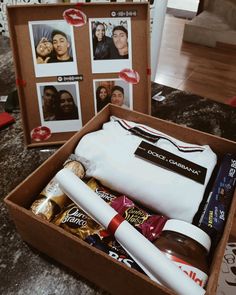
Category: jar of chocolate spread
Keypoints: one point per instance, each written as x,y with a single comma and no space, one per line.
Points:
187,246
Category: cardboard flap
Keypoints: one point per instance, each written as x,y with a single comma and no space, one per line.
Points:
49,75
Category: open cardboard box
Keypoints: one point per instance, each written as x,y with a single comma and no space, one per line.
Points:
28,24
76,254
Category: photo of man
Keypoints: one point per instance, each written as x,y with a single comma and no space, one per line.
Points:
61,47
120,41
49,102
117,97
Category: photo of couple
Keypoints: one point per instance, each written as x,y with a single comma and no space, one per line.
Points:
59,105
110,40
53,49
52,43
105,47
114,91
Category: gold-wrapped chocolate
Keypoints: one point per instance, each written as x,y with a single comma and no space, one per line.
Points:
44,209
75,166
103,192
52,200
75,221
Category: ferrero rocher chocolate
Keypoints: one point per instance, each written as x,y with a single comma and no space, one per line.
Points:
75,166
43,209
52,200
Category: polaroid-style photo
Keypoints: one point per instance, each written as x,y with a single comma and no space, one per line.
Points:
110,44
53,48
115,91
59,106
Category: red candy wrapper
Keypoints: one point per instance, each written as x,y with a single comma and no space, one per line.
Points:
149,225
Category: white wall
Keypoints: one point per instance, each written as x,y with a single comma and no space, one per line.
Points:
3,11
158,12
190,5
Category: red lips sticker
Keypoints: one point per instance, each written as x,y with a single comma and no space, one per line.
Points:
75,17
130,76
40,133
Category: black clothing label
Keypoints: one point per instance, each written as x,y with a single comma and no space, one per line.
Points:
170,161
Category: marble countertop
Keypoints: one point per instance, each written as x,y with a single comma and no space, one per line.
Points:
26,271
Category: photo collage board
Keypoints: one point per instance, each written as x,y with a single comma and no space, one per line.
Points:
73,60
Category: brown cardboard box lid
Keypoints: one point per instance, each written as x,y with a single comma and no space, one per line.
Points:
83,75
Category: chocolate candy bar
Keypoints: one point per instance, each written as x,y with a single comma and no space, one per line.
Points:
214,216
75,221
116,252
105,193
150,225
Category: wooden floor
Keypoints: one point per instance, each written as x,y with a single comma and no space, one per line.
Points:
209,72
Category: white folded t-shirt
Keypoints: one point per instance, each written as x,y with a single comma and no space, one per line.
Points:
108,155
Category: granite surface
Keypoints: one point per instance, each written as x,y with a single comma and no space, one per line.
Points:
26,271
7,77
22,269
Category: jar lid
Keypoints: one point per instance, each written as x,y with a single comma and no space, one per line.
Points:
188,230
